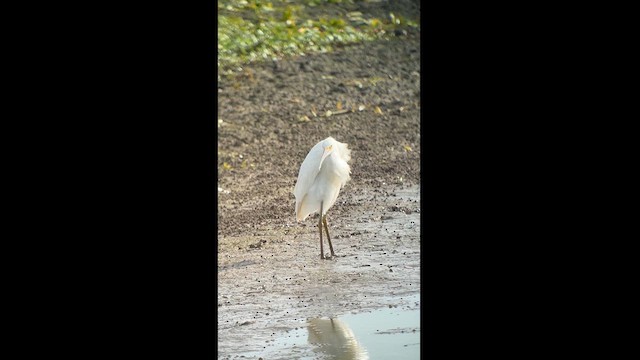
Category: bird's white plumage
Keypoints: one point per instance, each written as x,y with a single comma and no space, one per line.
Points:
321,180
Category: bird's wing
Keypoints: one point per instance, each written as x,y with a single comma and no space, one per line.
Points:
307,175
308,172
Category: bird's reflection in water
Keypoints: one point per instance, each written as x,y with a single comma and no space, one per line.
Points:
334,338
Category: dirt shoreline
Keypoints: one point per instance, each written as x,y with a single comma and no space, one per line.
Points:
270,276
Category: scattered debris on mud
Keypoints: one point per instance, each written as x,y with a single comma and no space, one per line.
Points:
271,277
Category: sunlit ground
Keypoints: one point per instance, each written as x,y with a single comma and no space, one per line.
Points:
254,30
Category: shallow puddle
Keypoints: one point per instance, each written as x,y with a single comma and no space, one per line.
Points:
388,333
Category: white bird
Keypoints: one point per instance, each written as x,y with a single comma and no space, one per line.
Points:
322,174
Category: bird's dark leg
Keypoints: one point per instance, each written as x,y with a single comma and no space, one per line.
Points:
326,228
320,227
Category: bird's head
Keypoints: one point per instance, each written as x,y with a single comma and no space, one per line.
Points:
328,149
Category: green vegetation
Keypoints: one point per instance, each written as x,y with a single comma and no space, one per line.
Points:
256,30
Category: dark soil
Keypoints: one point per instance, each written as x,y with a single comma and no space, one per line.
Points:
268,125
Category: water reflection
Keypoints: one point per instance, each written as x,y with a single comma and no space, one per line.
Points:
334,338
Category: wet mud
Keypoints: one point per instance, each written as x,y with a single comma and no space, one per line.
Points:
271,280
273,284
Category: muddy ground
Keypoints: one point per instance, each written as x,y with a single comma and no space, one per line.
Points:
271,277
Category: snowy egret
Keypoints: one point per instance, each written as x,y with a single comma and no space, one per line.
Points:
322,174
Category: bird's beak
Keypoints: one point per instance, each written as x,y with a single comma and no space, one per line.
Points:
326,153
